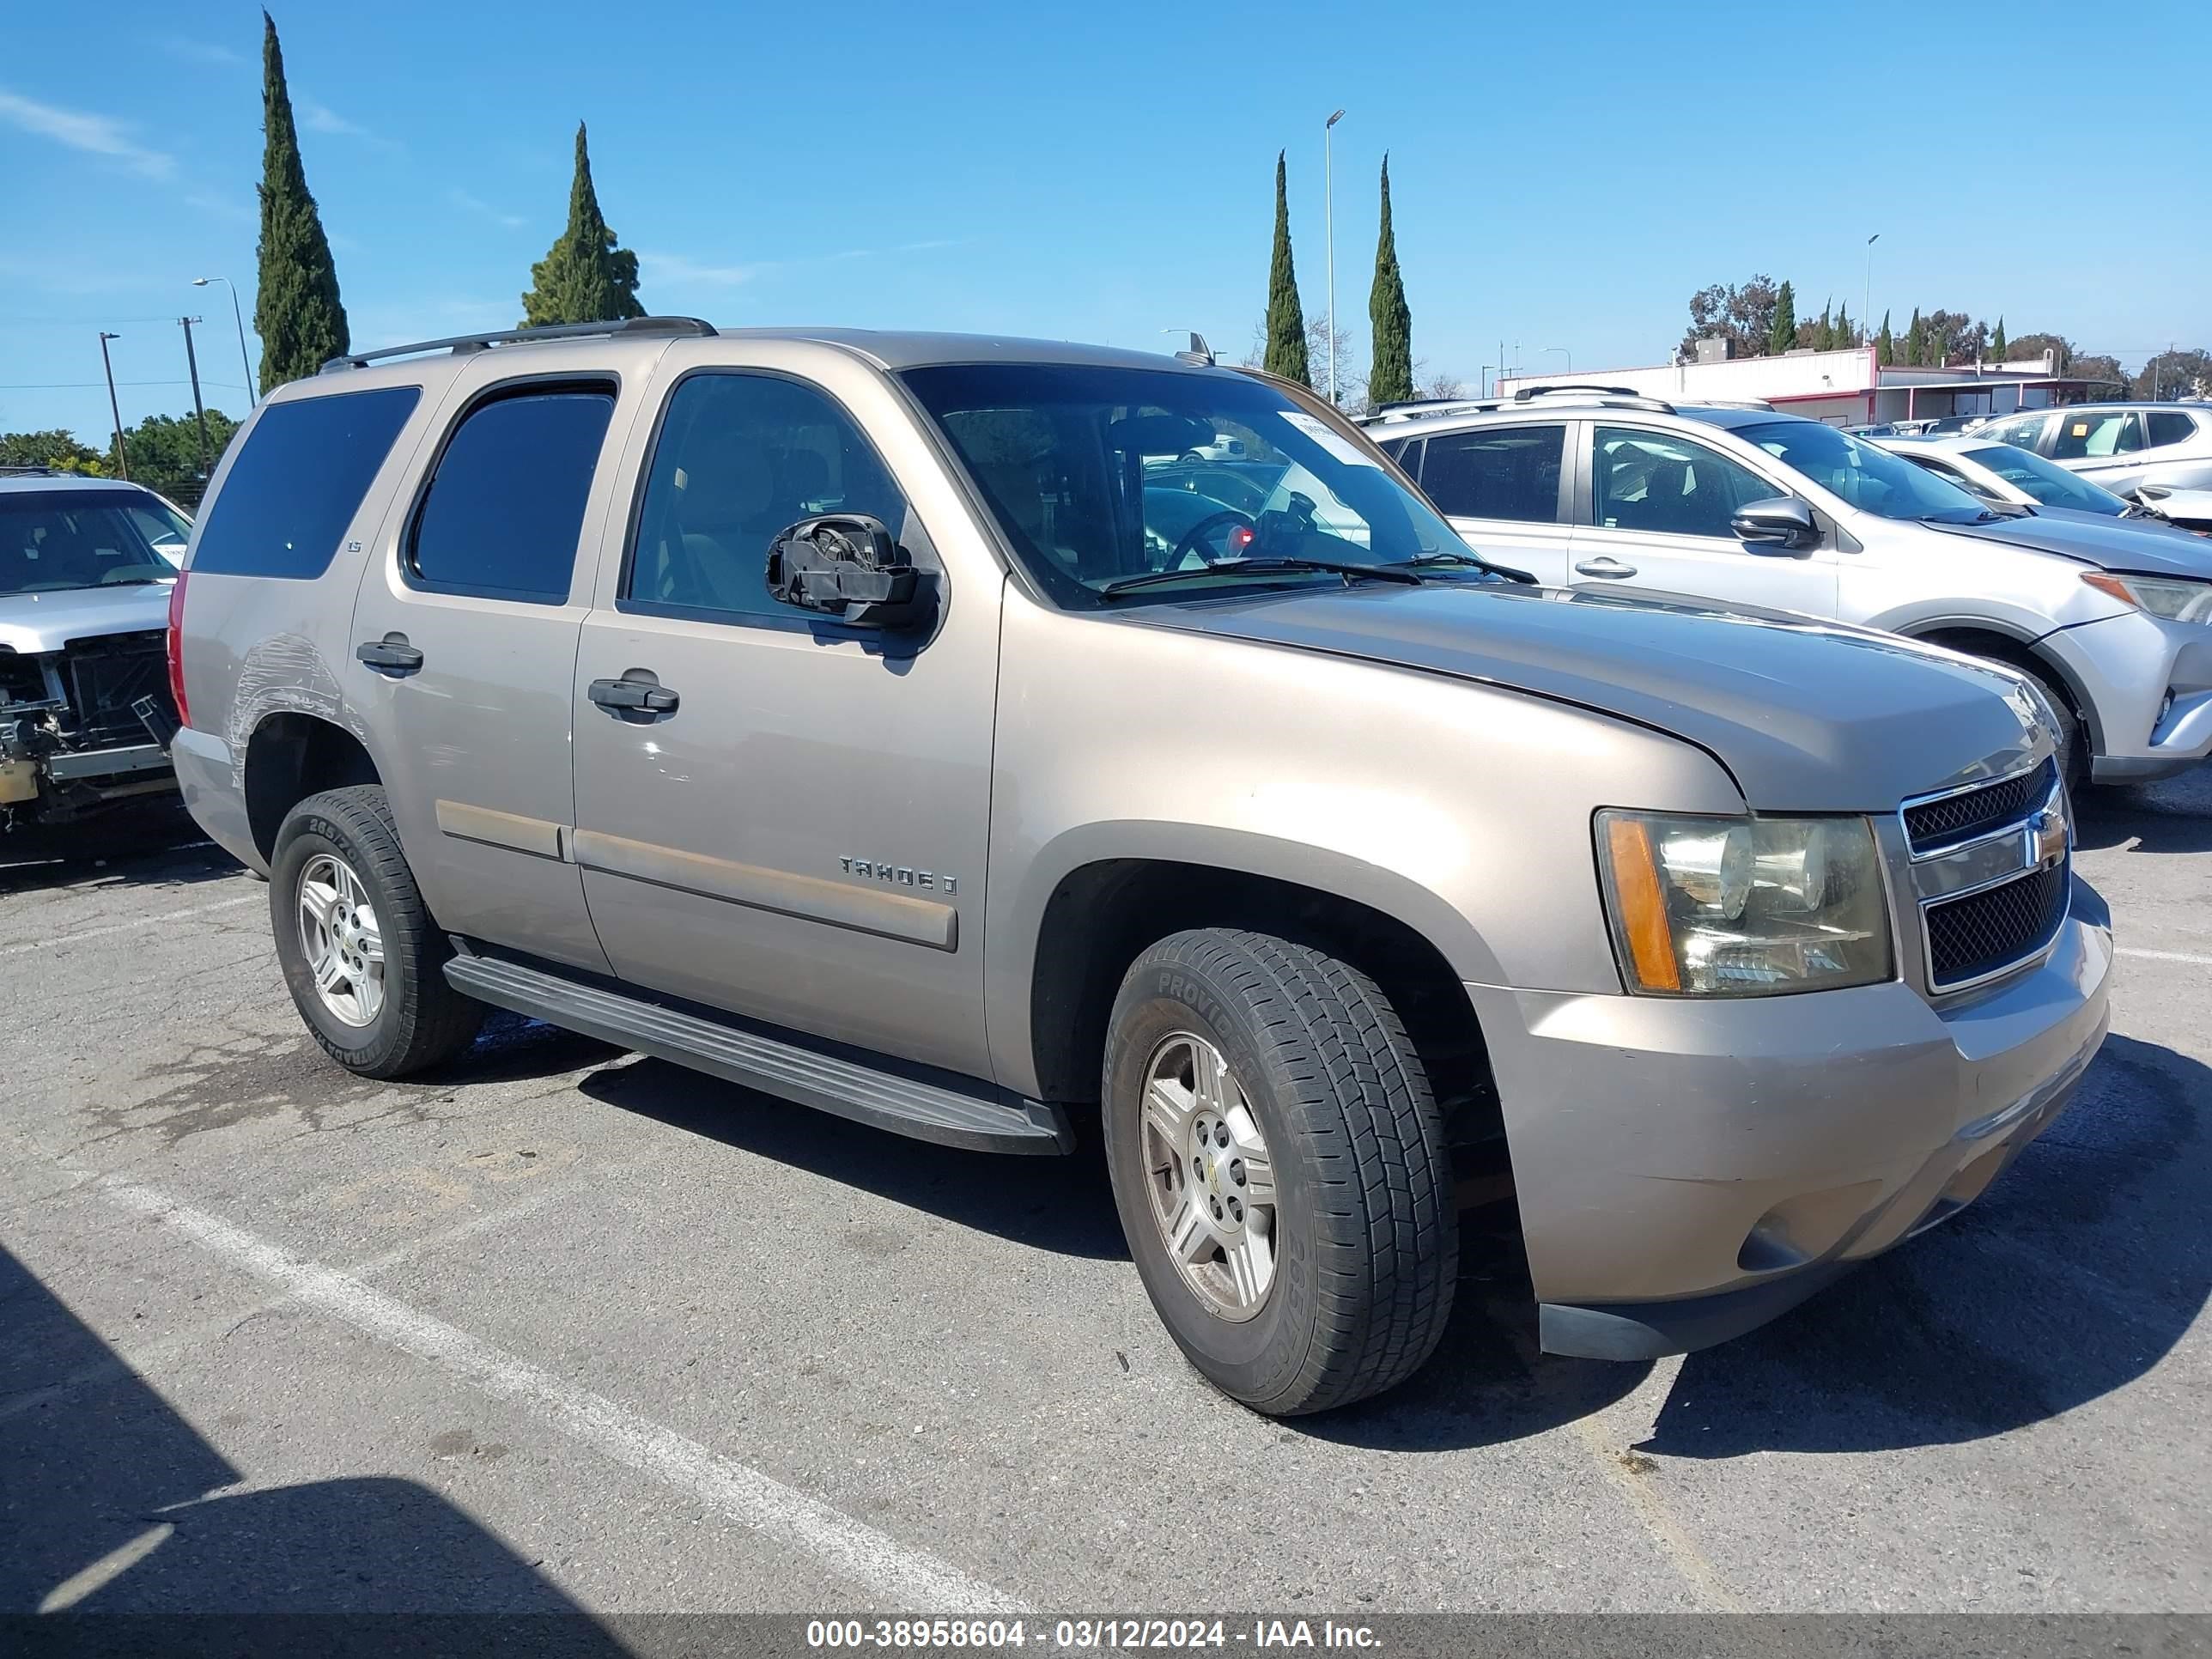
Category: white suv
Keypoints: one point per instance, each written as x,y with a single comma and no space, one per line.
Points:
1590,488
2118,446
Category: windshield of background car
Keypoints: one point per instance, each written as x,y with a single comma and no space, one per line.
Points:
1096,475
2054,486
1882,484
52,540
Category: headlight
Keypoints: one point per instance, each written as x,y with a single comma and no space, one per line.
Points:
1743,907
2174,598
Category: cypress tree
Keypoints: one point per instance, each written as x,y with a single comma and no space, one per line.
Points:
1843,337
1885,343
1916,340
1997,342
584,278
1782,334
1391,379
296,309
1823,333
1287,322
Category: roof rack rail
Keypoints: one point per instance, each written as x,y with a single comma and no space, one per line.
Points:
1414,408
459,344
1636,400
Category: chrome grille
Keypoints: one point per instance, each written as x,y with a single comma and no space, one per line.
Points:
1985,933
1934,824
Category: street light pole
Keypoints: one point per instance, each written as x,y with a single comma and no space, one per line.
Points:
192,367
1328,235
239,317
1564,352
1866,299
122,457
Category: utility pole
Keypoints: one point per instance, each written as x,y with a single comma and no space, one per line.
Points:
122,459
192,365
1328,236
1866,299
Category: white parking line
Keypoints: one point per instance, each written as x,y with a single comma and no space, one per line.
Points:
2163,956
910,1577
141,923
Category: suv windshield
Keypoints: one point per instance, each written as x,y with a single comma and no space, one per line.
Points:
63,539
1865,476
2051,485
1098,475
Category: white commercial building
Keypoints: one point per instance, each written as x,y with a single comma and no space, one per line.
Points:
1843,388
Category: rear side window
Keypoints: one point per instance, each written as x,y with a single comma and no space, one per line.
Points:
2167,427
2021,430
1496,472
294,487
502,515
2091,435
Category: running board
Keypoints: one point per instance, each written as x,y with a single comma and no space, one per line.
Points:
982,1119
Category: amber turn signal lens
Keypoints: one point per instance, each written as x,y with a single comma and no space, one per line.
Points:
1643,906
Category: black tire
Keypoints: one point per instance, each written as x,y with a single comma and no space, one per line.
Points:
423,1020
1365,1238
2073,737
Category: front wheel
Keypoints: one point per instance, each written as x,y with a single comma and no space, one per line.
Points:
1280,1167
363,960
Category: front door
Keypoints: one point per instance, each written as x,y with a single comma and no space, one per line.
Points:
466,649
798,832
1658,517
1503,488
2105,446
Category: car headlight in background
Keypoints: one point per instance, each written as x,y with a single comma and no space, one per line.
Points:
2174,598
1743,907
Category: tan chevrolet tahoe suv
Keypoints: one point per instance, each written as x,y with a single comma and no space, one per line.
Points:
990,739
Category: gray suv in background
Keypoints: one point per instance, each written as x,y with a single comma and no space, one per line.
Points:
1590,488
995,742
2119,446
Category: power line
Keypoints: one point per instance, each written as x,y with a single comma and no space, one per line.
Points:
90,385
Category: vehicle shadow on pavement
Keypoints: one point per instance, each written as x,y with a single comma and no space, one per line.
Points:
112,1504
1069,1216
2090,1258
2175,816
147,845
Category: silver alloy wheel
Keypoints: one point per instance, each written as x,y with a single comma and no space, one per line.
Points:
341,939
1212,1183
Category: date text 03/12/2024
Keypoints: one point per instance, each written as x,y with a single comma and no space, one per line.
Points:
1084,1634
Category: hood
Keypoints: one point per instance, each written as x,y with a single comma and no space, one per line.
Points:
2191,507
1806,716
2138,544
49,621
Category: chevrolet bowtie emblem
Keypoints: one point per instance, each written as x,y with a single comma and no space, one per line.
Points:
2046,835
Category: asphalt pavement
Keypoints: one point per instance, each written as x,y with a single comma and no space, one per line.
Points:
562,1327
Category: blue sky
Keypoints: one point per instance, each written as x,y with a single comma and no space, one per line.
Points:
1563,176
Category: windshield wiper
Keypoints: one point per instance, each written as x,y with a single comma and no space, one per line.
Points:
1474,561
1267,567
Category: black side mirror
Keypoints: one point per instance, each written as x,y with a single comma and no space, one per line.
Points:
848,566
1782,525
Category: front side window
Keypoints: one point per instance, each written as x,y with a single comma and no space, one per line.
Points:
1662,484
2051,485
740,458
1869,478
297,482
2022,430
1497,472
55,539
1095,475
504,512
2093,435
2167,426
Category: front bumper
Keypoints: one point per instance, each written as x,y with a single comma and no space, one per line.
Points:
1687,1170
2148,684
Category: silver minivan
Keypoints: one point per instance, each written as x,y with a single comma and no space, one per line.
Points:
1593,488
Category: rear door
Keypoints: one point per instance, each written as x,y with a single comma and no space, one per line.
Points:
465,631
2104,444
1656,515
1503,489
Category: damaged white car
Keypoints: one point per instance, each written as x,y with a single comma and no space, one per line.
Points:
87,566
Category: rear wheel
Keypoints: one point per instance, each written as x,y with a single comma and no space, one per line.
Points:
363,960
1278,1164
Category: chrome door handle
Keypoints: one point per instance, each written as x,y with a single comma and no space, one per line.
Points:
1611,569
